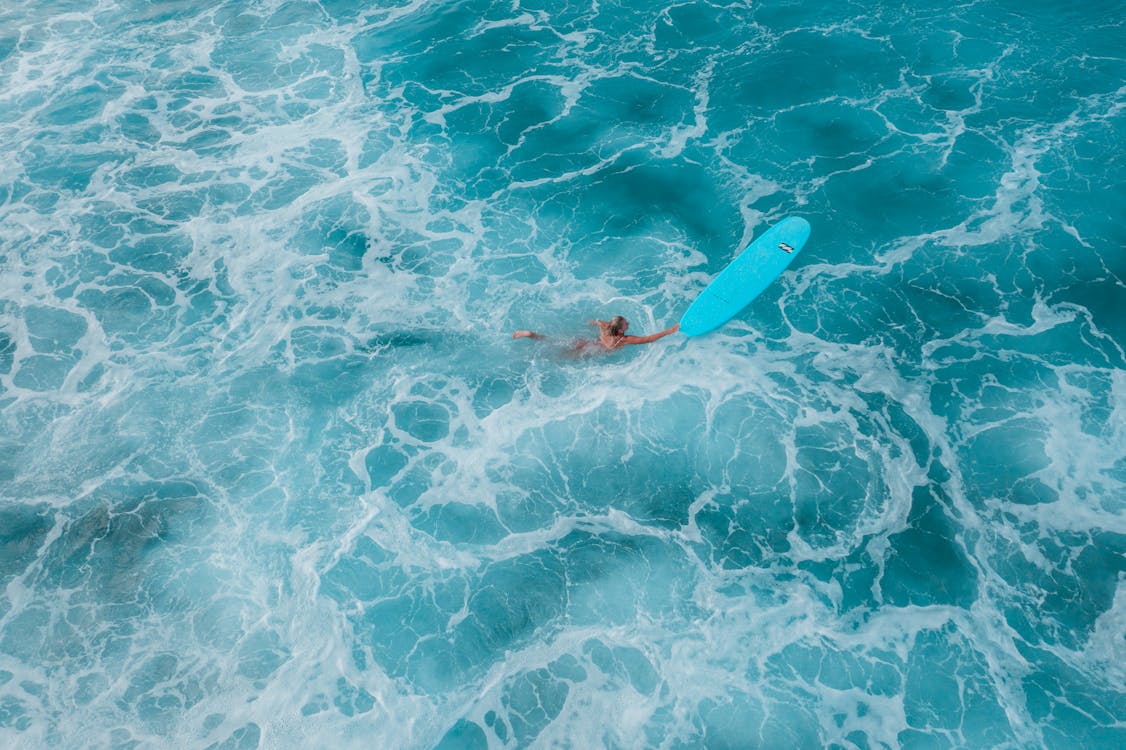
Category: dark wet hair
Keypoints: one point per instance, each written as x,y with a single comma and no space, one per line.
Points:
618,326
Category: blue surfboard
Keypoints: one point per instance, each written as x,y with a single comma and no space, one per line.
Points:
745,277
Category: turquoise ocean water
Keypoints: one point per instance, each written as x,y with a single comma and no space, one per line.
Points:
273,474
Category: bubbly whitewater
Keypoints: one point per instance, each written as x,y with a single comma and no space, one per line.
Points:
274,475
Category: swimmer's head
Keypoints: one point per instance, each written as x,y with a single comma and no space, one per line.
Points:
618,326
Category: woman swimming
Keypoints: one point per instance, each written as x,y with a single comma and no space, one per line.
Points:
611,336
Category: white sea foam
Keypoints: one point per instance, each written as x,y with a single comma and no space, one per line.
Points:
258,332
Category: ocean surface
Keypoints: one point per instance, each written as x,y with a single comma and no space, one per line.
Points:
274,474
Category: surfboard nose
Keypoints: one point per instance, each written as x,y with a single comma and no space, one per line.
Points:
798,226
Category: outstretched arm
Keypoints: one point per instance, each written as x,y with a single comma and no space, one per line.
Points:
651,337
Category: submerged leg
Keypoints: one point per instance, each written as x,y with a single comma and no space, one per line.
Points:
527,335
